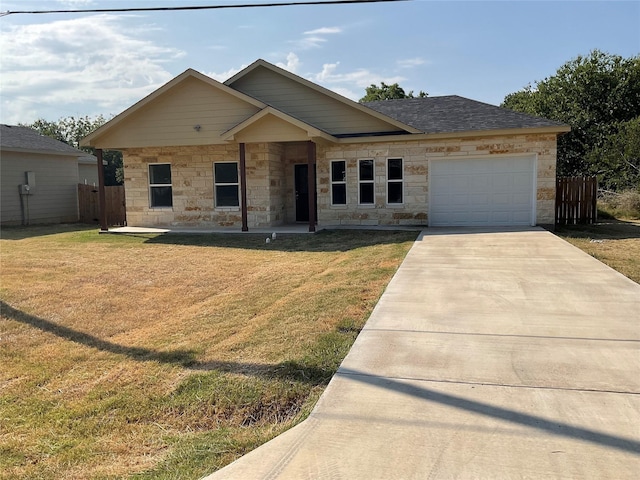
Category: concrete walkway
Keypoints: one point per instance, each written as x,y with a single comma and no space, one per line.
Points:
492,354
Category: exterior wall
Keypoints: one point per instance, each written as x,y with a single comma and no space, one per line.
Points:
54,199
193,186
88,173
170,119
270,180
416,195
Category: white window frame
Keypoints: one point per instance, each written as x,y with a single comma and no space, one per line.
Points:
372,182
226,184
400,181
154,185
341,182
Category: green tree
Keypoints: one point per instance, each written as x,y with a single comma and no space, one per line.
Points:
597,95
387,92
71,130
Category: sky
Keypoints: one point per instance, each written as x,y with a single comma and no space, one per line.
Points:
88,64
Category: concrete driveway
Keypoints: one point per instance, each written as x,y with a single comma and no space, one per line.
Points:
492,354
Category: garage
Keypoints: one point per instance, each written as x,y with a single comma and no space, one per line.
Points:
492,191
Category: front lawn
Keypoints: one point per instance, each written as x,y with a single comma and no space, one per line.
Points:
170,356
614,242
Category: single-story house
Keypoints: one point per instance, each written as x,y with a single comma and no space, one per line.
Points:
39,177
267,148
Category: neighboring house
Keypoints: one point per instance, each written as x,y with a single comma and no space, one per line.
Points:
39,177
256,150
88,170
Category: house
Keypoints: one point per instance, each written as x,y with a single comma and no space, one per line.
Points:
267,148
39,177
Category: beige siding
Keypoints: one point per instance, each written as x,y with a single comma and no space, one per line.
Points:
169,120
54,198
307,104
271,129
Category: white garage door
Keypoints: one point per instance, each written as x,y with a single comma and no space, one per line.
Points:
478,192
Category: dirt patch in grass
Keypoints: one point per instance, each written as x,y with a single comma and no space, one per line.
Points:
613,242
170,356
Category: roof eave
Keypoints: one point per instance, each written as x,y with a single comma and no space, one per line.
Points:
557,129
44,152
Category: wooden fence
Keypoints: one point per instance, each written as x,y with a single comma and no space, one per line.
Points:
89,203
576,200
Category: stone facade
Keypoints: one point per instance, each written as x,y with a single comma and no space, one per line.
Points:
270,180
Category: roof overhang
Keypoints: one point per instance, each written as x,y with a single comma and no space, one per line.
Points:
556,130
44,152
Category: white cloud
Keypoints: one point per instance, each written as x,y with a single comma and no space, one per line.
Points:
223,76
293,63
411,62
362,77
315,38
323,31
65,63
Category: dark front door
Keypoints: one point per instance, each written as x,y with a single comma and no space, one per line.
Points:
301,174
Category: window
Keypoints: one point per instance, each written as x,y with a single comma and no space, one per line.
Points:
394,180
338,182
365,182
226,184
160,191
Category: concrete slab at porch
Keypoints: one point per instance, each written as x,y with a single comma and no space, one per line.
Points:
281,229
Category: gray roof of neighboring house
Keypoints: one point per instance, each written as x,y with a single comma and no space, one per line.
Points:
24,139
456,114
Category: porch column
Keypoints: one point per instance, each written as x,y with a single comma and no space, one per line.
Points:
311,180
101,193
243,187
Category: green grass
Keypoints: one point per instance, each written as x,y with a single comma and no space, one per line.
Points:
613,242
170,356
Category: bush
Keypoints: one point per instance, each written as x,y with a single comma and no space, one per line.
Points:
620,205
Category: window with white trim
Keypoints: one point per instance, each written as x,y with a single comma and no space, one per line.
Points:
226,184
395,178
366,188
160,189
338,182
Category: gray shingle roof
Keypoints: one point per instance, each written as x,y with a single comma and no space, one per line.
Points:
24,139
456,114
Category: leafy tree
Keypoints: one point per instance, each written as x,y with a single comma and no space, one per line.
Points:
617,161
71,130
387,92
597,95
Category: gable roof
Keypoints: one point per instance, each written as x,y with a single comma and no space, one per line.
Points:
393,123
15,138
452,113
189,73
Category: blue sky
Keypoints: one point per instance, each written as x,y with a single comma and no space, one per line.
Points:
60,65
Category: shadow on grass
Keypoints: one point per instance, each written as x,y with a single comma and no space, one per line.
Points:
609,229
31,231
302,370
323,241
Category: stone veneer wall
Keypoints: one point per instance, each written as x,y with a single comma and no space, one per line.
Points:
416,195
193,185
270,180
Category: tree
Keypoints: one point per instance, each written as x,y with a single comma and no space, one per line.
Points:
387,92
597,95
71,130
